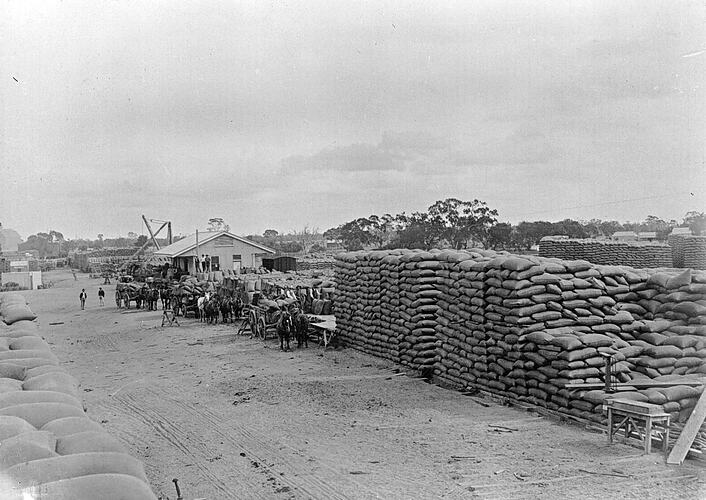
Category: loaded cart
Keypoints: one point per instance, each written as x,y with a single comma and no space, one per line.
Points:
260,318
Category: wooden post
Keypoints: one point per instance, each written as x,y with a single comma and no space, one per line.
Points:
197,251
688,433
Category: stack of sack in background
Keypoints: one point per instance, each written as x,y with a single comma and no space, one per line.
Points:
192,287
695,252
314,295
676,241
320,263
528,327
49,448
635,254
213,276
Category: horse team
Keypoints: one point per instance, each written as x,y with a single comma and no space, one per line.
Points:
210,307
144,296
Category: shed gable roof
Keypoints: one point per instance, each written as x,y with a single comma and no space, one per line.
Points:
186,244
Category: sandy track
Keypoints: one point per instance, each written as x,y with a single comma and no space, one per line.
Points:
231,417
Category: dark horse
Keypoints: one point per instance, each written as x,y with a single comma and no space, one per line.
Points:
237,308
165,295
151,297
285,327
211,309
226,307
301,327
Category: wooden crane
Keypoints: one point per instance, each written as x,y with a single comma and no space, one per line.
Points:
153,235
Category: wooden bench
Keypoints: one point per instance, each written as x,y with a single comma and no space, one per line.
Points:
637,420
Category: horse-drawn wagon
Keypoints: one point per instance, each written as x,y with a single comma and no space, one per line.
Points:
259,318
282,317
130,292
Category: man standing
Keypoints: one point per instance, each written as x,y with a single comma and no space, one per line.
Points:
101,296
82,297
208,264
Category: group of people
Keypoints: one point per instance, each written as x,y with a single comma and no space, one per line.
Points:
203,265
83,296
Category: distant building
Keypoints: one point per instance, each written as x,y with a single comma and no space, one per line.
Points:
334,245
281,263
226,250
19,266
26,280
680,231
647,236
624,236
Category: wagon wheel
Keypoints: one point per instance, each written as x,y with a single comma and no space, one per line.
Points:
262,327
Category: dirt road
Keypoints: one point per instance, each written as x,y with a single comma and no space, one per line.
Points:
232,417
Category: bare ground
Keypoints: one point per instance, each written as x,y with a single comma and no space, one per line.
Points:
232,417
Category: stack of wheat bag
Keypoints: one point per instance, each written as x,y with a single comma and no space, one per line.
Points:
635,254
49,448
530,327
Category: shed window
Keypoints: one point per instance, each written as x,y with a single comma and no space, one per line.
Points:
237,257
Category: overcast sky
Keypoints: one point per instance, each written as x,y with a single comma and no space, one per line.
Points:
290,114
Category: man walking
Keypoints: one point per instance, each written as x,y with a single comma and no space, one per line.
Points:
82,297
101,296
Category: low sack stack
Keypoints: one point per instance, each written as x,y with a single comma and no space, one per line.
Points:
614,253
527,327
49,448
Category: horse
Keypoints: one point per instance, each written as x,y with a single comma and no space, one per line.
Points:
165,295
211,310
238,308
226,307
301,327
201,303
152,297
284,329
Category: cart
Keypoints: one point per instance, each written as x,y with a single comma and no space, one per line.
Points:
259,320
127,294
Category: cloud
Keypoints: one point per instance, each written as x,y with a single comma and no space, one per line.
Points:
523,146
351,158
421,152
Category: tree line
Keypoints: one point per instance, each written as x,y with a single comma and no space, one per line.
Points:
306,240
462,224
446,223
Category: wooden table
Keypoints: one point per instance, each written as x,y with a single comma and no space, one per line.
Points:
637,420
326,328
